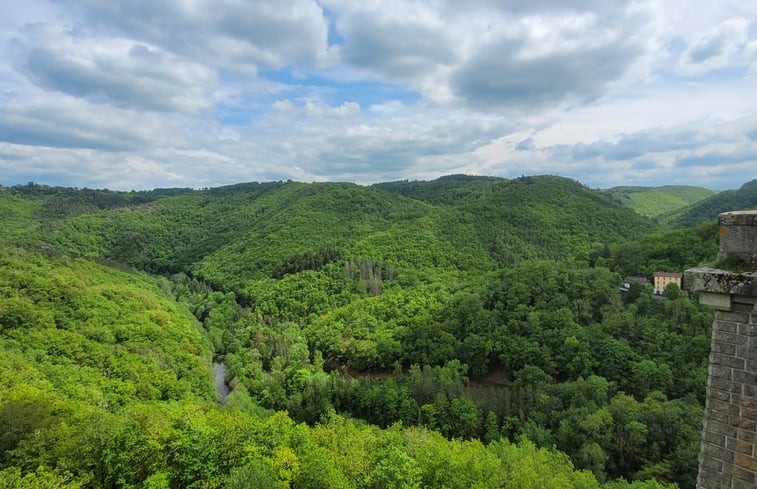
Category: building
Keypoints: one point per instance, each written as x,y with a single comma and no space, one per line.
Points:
662,279
630,279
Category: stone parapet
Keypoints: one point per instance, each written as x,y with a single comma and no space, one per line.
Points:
728,454
738,239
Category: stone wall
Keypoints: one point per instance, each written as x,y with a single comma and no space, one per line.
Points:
728,455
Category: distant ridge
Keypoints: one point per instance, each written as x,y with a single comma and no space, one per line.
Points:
728,200
658,201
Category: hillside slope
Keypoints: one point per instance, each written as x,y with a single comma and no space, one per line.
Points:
729,200
231,235
531,217
656,201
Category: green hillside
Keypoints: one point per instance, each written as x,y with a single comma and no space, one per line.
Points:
105,381
729,200
657,201
384,320
232,234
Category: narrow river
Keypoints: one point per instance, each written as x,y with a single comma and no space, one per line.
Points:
219,371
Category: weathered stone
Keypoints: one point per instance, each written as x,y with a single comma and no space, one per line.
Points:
713,280
724,348
747,436
721,428
739,446
731,407
719,395
718,452
721,372
715,300
738,235
749,413
743,423
726,326
728,361
739,484
741,376
743,475
748,329
727,337
746,462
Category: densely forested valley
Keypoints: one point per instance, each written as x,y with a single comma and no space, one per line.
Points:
468,332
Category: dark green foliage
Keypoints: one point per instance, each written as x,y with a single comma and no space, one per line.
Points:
726,201
669,251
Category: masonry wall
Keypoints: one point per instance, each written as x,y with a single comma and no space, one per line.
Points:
728,457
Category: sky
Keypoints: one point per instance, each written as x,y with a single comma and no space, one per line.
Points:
142,94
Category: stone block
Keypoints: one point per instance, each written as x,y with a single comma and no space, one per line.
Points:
718,405
715,300
726,326
722,428
746,352
739,446
747,436
726,385
745,462
742,376
748,413
716,452
714,438
742,474
751,366
727,337
720,416
728,361
724,348
740,484
749,329
721,372
748,402
743,423
718,394
735,317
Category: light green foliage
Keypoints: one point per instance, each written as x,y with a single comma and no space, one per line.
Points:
657,201
470,310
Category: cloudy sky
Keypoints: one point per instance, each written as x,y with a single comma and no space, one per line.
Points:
172,93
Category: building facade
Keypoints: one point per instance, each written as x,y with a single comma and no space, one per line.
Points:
662,279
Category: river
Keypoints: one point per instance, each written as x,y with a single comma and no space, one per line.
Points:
219,371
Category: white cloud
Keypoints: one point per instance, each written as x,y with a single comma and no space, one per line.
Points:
494,55
67,122
144,93
116,70
229,33
714,48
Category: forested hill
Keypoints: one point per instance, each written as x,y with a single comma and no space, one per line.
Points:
656,201
536,216
453,333
728,200
228,235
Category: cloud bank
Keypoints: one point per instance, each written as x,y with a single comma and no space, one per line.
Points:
152,94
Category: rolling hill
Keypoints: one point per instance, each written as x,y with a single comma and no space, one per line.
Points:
729,200
656,201
466,308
